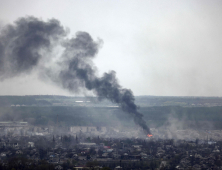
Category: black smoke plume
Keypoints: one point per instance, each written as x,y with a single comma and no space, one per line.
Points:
27,42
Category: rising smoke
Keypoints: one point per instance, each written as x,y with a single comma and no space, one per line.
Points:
30,40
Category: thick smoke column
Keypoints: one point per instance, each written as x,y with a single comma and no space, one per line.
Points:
29,41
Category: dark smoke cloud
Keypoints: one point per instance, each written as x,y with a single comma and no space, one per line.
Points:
21,44
21,47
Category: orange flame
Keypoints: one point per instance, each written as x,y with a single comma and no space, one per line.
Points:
149,135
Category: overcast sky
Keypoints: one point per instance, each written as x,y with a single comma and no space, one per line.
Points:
156,47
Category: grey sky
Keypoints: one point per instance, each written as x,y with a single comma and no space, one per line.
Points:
156,47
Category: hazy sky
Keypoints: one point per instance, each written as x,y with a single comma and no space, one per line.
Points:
156,47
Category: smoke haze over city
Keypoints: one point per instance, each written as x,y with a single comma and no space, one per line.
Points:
128,84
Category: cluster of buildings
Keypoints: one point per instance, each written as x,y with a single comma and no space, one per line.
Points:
98,147
83,152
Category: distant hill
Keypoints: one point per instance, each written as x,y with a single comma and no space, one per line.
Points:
142,101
